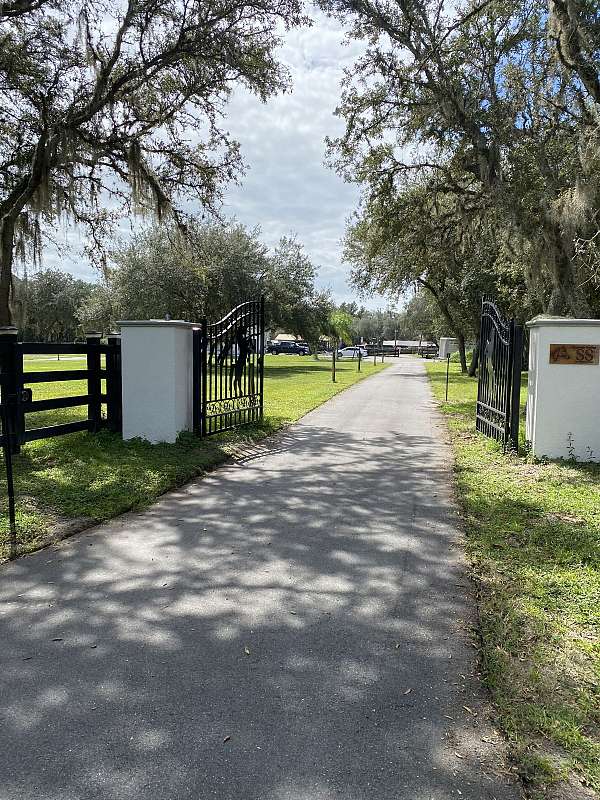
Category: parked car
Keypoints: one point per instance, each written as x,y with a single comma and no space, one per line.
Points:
287,348
352,352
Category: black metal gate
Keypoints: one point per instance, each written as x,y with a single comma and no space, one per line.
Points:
229,370
498,392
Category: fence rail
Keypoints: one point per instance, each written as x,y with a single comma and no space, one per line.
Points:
17,398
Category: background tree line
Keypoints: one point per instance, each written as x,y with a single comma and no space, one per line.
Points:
417,319
159,273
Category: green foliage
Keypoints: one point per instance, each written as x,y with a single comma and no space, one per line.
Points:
339,326
291,301
48,304
533,536
158,272
474,135
207,273
419,238
122,101
421,317
376,325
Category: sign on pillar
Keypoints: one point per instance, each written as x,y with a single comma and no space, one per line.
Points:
564,388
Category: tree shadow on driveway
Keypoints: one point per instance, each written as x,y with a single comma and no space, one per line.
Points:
293,627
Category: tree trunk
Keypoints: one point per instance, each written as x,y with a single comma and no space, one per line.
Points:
474,360
462,352
7,230
567,299
442,305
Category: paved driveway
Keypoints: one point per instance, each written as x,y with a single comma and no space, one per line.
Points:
294,627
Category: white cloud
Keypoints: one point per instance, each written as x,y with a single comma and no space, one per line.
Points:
287,187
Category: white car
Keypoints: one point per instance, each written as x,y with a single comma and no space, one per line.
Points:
352,352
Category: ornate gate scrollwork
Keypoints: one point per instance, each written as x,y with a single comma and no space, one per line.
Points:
498,391
229,370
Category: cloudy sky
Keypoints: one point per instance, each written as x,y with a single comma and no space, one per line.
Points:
287,188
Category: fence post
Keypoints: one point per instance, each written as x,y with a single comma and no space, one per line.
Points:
261,378
11,366
333,354
204,365
7,446
114,402
479,424
94,381
9,408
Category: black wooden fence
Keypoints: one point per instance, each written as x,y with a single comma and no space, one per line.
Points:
17,398
17,387
499,387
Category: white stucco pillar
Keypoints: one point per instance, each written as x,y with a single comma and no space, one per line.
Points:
564,388
156,363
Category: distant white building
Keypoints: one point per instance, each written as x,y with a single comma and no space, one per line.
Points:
409,345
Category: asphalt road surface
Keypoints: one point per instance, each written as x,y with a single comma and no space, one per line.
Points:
296,626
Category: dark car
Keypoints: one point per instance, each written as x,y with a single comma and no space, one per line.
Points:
287,348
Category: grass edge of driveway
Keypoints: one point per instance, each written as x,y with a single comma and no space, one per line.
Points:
532,535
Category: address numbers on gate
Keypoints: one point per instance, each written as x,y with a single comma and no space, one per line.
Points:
575,354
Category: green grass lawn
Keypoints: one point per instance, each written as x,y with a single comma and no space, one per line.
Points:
533,536
69,481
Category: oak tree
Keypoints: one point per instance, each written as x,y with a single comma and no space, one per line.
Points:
111,108
473,97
